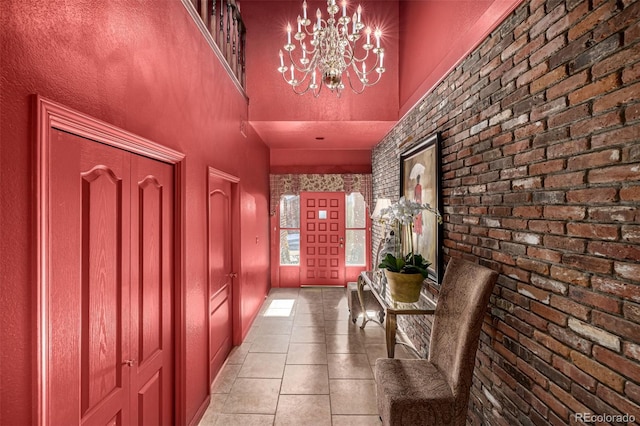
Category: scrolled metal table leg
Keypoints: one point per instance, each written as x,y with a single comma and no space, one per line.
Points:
365,316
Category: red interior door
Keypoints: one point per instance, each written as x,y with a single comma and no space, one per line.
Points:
322,238
111,224
220,273
151,291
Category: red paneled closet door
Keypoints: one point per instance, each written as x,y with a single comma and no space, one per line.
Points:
322,232
110,304
152,210
220,273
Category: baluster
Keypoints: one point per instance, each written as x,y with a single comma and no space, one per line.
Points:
235,33
243,41
204,15
234,41
221,26
227,49
230,38
239,55
212,27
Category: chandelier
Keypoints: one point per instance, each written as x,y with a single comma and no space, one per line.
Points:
331,52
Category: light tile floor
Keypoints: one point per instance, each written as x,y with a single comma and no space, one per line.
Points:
311,367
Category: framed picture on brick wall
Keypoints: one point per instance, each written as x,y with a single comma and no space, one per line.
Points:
420,182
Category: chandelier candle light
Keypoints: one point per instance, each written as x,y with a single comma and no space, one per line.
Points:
331,51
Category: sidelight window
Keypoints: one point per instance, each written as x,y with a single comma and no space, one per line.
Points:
356,236
290,230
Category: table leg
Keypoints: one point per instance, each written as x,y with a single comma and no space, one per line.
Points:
391,328
365,317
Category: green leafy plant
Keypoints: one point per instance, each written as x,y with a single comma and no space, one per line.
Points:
410,264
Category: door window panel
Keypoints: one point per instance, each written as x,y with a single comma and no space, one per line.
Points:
289,247
354,247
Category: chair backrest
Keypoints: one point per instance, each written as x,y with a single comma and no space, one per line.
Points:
462,302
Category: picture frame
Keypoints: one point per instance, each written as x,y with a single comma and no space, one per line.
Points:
420,178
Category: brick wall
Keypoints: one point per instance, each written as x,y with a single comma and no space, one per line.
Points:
541,181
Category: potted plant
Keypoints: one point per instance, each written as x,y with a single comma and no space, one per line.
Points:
405,273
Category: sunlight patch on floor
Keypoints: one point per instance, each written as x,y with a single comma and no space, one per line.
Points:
280,308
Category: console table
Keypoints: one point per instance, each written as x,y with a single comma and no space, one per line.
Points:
391,308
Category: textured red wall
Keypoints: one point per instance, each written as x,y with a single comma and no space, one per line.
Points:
320,161
144,67
451,34
271,100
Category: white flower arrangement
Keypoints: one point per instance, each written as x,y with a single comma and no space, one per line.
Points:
403,215
404,212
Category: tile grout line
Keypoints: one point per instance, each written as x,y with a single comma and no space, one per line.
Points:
326,303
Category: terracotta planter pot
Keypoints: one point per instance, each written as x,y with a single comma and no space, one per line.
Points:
404,287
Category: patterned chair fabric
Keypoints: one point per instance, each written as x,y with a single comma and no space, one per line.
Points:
435,391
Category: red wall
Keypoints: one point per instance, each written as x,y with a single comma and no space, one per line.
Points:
304,161
144,67
273,100
447,36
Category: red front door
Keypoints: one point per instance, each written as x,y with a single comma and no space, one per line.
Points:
220,273
110,357
322,238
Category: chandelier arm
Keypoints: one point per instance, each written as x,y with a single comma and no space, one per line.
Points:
291,82
311,51
317,94
364,58
356,91
285,79
304,70
364,85
367,83
312,32
298,82
323,24
360,74
301,92
377,80
309,88
294,86
307,69
348,55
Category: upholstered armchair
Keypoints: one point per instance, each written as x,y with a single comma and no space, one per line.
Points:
435,391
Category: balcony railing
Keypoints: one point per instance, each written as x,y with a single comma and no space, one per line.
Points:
223,22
